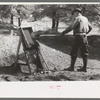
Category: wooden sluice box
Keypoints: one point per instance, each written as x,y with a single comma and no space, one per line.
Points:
29,44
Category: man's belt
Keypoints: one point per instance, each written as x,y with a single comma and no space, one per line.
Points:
80,34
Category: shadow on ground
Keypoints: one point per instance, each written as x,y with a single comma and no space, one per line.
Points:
64,44
10,70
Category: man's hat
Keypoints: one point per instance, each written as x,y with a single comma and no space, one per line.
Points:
76,10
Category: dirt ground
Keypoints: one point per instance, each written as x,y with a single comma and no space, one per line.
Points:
56,54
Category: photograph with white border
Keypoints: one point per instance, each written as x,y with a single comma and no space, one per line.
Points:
50,49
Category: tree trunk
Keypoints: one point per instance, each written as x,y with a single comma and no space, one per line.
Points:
84,10
57,24
35,18
53,23
11,19
19,22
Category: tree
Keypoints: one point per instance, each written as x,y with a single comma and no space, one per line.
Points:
55,12
88,10
4,11
20,11
23,13
36,12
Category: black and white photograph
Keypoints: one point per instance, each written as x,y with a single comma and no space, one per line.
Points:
49,42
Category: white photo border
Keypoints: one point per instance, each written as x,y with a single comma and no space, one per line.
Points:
68,89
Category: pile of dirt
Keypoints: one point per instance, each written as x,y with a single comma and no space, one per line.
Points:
8,47
55,60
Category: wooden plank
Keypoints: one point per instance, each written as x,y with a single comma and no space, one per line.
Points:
27,36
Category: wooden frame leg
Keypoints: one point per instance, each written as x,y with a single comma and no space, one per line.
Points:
17,56
26,55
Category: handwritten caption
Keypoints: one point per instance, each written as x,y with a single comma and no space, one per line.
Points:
55,87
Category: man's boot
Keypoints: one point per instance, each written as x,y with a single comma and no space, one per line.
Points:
84,66
71,68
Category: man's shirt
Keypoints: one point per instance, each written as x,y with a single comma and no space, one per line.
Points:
79,25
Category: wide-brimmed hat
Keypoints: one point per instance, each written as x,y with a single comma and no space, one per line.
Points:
76,10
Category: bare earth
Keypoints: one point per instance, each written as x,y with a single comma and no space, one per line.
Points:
57,58
56,54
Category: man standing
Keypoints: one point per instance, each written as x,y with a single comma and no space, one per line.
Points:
80,26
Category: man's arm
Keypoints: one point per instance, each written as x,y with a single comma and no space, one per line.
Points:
71,27
90,28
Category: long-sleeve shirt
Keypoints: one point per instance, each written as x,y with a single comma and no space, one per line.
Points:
79,25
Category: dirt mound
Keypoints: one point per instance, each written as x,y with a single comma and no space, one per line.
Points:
54,59
8,45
